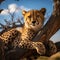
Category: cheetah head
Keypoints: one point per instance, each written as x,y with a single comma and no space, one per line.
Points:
34,19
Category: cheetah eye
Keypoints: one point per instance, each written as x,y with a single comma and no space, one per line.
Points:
29,16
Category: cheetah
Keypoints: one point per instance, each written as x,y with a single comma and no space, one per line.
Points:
23,38
34,20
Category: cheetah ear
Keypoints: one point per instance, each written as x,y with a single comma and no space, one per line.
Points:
24,12
43,10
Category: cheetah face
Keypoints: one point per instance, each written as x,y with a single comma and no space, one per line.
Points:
34,18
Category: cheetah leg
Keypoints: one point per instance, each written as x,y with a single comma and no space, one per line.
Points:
40,48
50,48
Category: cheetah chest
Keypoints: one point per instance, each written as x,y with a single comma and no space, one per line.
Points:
28,35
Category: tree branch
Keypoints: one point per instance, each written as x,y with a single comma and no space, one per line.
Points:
1,1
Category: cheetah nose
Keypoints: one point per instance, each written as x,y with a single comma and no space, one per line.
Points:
33,22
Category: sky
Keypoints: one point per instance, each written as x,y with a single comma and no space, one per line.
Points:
27,5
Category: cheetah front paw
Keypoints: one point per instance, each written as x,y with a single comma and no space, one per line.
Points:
39,46
50,48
